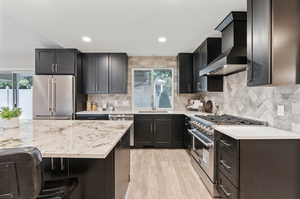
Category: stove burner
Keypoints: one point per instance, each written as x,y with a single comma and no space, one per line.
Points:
228,120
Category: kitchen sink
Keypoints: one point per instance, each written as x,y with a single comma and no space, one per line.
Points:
155,111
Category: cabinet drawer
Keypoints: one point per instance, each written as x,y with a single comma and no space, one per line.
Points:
228,158
227,143
225,188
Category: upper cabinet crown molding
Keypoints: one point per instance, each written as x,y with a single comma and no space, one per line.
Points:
273,42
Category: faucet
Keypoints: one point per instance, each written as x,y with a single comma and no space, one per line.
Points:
217,111
110,107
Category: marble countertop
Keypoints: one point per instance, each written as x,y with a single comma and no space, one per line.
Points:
66,138
187,113
256,133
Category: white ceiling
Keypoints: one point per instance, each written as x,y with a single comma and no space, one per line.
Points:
17,44
131,26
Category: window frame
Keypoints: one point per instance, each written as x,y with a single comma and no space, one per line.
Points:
152,108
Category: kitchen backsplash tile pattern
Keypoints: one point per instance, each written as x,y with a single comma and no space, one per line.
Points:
237,99
124,101
259,102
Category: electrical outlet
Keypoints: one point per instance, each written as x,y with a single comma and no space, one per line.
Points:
280,110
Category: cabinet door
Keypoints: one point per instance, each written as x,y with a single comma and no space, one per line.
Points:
89,74
162,132
143,132
118,72
102,69
185,72
203,55
65,62
44,62
259,38
122,166
196,69
178,131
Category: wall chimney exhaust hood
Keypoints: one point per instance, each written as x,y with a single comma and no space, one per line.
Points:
234,46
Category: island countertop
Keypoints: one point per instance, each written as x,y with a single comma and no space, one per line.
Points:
66,138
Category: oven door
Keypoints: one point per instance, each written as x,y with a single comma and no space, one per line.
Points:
203,152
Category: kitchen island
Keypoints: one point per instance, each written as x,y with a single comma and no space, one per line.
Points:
96,152
257,162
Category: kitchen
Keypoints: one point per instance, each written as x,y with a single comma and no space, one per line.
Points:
212,117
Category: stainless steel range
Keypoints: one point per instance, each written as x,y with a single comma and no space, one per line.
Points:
203,148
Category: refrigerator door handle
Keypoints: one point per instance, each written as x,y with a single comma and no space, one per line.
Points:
49,94
74,98
53,95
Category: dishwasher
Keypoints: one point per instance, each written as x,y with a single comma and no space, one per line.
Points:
124,117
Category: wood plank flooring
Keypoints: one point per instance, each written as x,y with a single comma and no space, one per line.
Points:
164,174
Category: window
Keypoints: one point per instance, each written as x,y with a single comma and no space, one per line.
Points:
16,91
153,89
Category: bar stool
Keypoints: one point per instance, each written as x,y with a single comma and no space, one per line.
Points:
21,177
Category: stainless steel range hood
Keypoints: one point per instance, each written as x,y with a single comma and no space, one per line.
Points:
234,46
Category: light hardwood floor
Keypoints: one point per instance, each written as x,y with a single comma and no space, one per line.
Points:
164,174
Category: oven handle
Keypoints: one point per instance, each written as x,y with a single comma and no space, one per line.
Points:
208,145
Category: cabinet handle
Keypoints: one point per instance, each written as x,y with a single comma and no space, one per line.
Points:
56,67
49,94
224,164
151,127
53,95
53,67
52,164
62,166
224,190
225,143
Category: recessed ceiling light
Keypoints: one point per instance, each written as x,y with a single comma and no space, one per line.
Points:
86,39
162,39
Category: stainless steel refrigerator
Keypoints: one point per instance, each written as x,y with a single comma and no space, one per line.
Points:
54,96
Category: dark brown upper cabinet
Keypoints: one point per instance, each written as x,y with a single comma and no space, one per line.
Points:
185,72
118,73
105,73
56,61
273,42
202,56
95,73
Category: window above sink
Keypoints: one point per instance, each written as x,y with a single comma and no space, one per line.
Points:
153,89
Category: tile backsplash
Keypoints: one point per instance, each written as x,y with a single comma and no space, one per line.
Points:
237,99
124,101
259,102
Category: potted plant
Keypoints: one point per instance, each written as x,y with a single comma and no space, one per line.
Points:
9,118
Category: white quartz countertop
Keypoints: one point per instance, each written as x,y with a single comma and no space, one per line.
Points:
256,133
66,138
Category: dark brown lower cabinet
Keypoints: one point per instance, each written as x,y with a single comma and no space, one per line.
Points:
159,131
162,132
98,178
178,131
143,131
258,169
